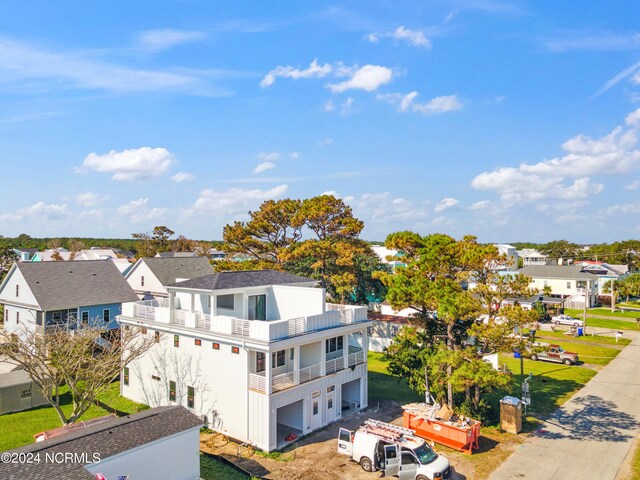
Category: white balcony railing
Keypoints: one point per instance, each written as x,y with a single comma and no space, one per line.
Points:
257,383
282,381
355,358
309,373
335,316
335,365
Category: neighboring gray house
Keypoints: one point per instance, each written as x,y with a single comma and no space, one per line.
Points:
161,442
570,282
41,295
149,277
17,390
176,254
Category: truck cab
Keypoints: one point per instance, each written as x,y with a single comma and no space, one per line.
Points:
395,450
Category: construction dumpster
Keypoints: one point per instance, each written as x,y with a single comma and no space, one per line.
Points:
430,423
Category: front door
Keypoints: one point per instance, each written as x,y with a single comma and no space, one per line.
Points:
331,407
408,466
345,446
315,413
391,460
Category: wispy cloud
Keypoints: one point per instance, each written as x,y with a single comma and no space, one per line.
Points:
407,103
263,167
368,78
616,79
415,38
345,174
21,61
157,40
269,156
29,117
600,41
183,177
445,204
315,70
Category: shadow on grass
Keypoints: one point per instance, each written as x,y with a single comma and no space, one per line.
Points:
598,419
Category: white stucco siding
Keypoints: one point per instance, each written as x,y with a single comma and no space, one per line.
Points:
219,378
151,282
176,457
19,319
382,334
293,302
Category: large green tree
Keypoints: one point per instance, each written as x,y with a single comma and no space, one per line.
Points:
316,237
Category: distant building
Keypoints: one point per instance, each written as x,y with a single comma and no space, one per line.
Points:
388,256
149,277
157,443
570,282
42,295
176,254
532,258
215,254
17,390
509,251
384,329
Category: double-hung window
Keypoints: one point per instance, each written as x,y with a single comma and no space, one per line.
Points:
191,393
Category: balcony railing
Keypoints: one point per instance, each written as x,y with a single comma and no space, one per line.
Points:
258,382
335,316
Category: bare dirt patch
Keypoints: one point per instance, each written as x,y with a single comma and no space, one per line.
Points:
316,455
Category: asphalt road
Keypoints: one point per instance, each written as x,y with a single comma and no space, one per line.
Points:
591,434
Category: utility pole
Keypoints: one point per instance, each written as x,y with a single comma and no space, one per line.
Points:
427,395
613,296
586,299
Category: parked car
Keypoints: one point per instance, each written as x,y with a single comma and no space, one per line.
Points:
567,320
557,354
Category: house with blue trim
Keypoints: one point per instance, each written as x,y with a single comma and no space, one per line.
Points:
43,295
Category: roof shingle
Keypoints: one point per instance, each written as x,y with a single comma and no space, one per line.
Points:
242,279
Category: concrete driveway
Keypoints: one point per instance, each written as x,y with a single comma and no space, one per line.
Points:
591,434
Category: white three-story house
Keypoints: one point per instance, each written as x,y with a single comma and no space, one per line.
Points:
259,355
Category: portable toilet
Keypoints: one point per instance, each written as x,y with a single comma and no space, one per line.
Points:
511,414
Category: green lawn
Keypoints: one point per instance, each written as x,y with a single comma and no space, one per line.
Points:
383,386
552,383
584,338
588,353
612,324
635,466
19,428
605,312
212,469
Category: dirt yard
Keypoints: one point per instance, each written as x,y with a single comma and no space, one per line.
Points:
316,456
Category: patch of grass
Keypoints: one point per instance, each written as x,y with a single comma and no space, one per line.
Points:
612,324
276,455
552,384
19,428
584,338
212,469
635,465
588,353
383,386
605,312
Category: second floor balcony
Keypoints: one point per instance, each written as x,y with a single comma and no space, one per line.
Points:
271,330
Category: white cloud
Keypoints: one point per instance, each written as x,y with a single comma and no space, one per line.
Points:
269,156
325,141
294,155
633,185
633,119
567,177
234,200
415,38
182,177
481,205
88,199
263,167
158,40
442,221
138,211
130,165
38,211
328,106
315,70
383,209
622,208
406,103
21,62
445,203
347,106
368,78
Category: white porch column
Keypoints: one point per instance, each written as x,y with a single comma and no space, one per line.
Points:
345,350
323,357
365,342
267,374
192,302
296,365
172,298
214,305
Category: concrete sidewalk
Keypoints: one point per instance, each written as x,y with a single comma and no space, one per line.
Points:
591,434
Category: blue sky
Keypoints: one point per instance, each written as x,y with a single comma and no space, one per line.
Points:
508,120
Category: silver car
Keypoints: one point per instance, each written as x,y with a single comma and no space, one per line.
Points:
567,320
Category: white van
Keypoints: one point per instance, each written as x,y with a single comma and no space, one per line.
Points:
396,450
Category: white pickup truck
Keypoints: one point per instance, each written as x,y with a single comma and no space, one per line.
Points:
395,450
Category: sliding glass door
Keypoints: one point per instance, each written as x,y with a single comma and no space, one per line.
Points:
257,307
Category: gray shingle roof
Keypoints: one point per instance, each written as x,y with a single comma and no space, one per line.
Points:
573,272
168,270
62,285
242,279
108,438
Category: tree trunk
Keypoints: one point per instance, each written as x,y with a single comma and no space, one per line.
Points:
476,399
468,393
449,387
